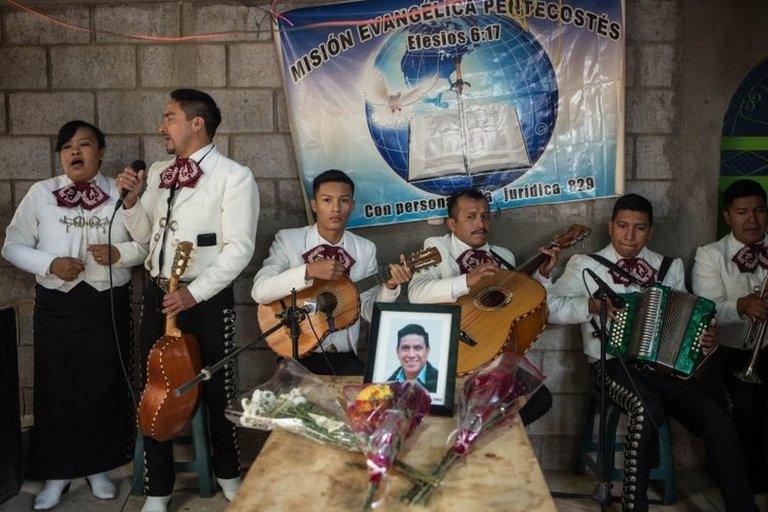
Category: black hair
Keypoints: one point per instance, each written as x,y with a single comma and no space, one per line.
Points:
742,188
471,193
196,103
412,329
67,131
634,202
331,175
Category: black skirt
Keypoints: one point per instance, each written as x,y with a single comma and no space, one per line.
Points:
83,411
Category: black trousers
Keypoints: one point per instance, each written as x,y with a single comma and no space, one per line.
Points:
687,402
749,411
212,322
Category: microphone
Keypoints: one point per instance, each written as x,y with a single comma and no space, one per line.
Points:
136,165
606,290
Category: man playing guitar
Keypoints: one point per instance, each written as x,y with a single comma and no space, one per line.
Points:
466,258
325,250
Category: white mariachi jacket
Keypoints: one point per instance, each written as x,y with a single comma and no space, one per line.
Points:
284,269
218,215
42,231
568,298
445,282
716,277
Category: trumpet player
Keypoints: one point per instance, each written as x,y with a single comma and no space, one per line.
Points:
728,272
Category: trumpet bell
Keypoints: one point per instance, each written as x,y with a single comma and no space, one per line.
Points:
747,376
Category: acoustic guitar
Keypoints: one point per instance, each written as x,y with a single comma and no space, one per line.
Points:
508,310
173,360
330,305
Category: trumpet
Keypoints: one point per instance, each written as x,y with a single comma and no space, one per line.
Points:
755,334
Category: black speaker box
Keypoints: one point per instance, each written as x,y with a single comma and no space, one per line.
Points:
10,419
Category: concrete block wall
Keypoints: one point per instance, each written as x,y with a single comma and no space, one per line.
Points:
51,74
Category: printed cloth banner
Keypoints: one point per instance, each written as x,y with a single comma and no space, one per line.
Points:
523,99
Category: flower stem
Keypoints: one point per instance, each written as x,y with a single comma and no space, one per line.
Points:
414,474
371,495
419,491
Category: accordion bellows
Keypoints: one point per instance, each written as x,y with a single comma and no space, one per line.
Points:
662,327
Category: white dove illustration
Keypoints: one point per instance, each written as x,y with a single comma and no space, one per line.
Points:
390,109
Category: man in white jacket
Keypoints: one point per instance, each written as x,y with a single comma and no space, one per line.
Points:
203,197
646,396
326,250
728,271
466,259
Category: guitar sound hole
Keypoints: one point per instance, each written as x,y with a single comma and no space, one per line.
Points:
327,303
491,298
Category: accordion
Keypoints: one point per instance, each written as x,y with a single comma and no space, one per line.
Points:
661,326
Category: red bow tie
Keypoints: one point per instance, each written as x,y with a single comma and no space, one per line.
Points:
183,172
330,252
80,193
750,256
473,258
637,268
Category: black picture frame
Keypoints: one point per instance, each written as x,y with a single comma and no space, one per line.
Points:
441,323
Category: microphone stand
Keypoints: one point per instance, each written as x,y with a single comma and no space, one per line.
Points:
291,317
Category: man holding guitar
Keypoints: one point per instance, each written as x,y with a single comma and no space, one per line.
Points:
644,394
203,197
327,251
467,258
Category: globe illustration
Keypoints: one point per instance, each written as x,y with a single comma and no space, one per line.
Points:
511,69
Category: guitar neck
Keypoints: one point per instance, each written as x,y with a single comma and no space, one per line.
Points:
529,267
170,320
369,282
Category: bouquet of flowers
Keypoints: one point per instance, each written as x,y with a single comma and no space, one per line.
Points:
297,401
384,416
491,395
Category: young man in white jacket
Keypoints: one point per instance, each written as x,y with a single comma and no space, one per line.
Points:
646,396
326,250
728,271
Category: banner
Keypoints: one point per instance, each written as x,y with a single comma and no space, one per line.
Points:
415,101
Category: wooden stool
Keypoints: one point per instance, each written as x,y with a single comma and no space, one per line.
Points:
586,455
201,464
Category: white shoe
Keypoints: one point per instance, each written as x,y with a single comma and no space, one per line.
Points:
51,494
229,486
156,504
101,487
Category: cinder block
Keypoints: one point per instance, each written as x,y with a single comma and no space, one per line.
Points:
253,65
157,19
120,152
183,66
16,285
282,112
28,404
268,199
130,112
564,418
6,203
23,68
651,111
25,158
109,67
653,20
291,196
629,156
154,150
559,337
3,117
243,285
567,372
659,193
244,111
268,156
657,157
26,367
33,113
630,65
20,189
255,367
25,312
23,28
557,452
247,326
658,65
246,23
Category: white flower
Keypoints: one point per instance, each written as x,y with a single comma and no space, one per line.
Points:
294,397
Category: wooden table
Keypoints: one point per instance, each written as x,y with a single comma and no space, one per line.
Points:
294,474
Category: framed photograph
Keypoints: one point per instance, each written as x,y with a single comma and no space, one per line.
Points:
416,341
